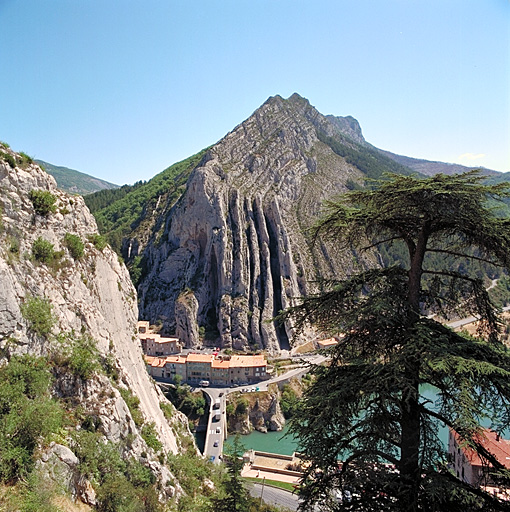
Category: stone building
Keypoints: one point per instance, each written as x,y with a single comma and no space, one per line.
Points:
218,371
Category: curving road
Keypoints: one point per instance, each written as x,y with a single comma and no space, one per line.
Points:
216,430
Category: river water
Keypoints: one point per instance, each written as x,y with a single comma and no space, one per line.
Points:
272,442
285,444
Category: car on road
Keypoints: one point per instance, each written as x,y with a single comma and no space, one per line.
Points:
211,458
215,444
218,430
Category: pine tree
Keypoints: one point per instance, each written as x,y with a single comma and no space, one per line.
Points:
235,497
366,407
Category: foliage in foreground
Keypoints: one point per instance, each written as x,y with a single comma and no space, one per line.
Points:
28,414
122,484
365,408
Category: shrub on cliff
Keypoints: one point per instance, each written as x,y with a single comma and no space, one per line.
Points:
38,313
79,354
75,245
28,414
43,202
43,250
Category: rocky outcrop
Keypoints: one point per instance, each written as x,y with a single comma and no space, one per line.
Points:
267,416
60,464
259,411
186,314
90,295
237,239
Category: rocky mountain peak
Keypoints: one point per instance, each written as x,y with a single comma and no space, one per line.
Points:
348,126
235,245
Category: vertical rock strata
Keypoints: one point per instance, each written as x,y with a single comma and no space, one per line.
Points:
237,239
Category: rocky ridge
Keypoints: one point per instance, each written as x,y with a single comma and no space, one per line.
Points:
235,250
92,295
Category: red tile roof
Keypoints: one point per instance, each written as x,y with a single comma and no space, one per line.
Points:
220,363
175,359
247,361
200,358
492,442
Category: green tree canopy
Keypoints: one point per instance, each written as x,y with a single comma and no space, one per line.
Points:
365,407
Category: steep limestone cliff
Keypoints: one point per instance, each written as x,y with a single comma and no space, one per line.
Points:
91,294
237,238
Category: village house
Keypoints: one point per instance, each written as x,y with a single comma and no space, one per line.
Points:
155,345
247,369
325,344
164,362
143,326
195,368
470,468
198,367
220,372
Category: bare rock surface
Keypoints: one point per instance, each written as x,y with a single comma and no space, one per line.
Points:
91,295
237,238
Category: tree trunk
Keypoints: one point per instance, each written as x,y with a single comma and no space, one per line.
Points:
410,448
410,471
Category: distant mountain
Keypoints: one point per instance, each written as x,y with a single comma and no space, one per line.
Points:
431,168
351,128
75,182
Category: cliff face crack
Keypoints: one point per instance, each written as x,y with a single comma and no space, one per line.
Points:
212,312
260,281
274,258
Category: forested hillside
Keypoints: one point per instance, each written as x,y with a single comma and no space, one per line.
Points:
121,211
75,182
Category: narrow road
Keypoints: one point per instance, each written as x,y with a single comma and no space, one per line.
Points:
469,320
216,426
274,496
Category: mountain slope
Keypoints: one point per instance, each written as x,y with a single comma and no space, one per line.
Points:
74,182
235,250
140,207
351,128
430,168
53,268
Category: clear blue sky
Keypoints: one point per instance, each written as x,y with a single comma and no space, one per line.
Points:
121,89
